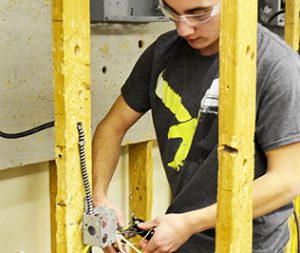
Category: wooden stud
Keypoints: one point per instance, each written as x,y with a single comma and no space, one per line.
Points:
53,193
71,59
295,236
292,23
236,126
140,180
292,37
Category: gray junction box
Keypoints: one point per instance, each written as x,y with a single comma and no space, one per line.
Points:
125,11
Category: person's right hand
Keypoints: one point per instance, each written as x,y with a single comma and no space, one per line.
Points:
106,201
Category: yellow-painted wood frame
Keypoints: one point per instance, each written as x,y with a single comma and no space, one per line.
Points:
292,23
236,125
53,193
292,37
140,180
71,59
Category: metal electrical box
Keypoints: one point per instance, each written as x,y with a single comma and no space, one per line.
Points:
272,15
125,11
272,8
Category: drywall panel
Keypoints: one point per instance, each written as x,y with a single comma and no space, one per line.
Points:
26,93
25,80
25,209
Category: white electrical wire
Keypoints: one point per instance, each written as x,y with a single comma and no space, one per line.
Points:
122,238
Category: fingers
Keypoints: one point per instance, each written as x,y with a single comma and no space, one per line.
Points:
105,201
121,245
110,249
163,238
147,225
115,248
152,246
143,244
120,217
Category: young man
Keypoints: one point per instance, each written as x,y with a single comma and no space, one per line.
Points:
177,77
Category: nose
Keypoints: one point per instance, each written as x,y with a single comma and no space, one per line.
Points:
184,29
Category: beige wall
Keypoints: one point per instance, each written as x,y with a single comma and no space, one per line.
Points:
25,209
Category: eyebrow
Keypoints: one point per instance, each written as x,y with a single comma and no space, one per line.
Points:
201,8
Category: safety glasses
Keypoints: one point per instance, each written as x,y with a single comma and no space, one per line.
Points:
191,19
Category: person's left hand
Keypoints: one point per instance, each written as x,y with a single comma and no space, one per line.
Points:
171,231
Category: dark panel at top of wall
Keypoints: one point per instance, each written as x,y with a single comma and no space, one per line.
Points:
125,11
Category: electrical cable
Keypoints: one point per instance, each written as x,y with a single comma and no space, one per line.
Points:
123,239
90,209
27,132
274,16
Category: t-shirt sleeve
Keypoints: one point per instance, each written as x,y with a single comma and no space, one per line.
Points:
278,115
135,91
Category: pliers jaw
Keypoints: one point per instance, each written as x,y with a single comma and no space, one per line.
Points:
133,229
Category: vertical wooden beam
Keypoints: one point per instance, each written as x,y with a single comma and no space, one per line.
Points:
292,23
292,37
295,236
53,193
140,180
71,59
236,125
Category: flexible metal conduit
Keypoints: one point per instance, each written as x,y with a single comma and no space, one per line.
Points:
90,209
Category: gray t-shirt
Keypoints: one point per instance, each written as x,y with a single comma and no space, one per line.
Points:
181,88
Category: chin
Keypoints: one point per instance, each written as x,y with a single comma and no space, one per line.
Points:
204,45
198,43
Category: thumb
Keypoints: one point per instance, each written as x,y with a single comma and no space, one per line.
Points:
147,225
